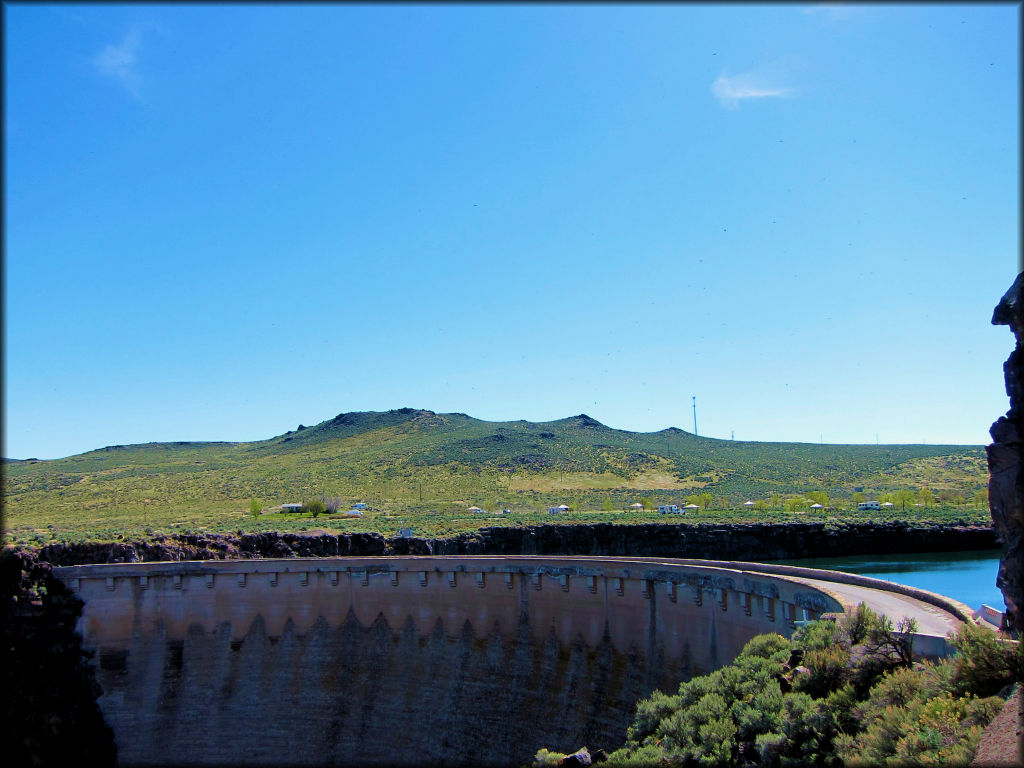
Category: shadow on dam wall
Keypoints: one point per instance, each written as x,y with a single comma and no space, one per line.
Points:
406,660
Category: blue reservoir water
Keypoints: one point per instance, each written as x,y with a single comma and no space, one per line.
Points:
969,577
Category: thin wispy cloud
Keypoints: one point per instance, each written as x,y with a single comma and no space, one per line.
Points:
120,62
831,11
732,90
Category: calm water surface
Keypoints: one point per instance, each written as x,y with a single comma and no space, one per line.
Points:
969,577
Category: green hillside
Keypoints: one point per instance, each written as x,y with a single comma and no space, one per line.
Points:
413,464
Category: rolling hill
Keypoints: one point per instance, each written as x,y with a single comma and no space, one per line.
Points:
409,461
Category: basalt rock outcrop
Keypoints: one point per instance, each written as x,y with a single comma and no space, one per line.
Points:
49,714
1006,481
743,542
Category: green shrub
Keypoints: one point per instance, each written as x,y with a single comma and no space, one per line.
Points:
767,647
759,713
860,706
809,728
649,713
829,670
859,624
818,635
899,688
546,759
984,665
314,508
842,704
945,731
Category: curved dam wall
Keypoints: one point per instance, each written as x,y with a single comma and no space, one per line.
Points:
406,660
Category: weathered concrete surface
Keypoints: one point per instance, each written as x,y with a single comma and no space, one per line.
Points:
432,660
1006,481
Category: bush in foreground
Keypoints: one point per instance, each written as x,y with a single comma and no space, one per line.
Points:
836,694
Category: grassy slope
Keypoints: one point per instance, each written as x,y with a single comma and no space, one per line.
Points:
422,467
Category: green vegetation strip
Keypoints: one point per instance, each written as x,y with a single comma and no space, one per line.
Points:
846,693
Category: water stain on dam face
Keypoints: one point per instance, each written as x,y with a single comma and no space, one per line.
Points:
405,660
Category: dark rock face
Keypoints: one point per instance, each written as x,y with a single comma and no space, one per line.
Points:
748,542
1006,481
49,714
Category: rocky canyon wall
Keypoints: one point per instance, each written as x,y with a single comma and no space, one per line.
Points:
1006,481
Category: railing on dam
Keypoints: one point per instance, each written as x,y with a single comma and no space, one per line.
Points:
346,660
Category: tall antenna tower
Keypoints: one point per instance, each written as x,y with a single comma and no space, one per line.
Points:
694,414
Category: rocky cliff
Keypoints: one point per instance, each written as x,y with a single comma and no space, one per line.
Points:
746,542
49,715
1006,481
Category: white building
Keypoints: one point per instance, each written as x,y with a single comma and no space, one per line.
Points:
670,509
556,510
291,507
869,505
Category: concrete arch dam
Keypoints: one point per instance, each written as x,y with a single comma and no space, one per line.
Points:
428,660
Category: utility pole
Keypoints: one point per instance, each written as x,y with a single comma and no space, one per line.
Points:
694,414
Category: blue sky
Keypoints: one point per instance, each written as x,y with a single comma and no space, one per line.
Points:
222,221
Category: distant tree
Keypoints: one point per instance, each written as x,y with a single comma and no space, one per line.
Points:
607,505
818,497
857,497
332,503
255,507
702,500
884,497
723,502
793,503
981,497
646,501
926,497
776,500
902,496
760,504
315,507
950,496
